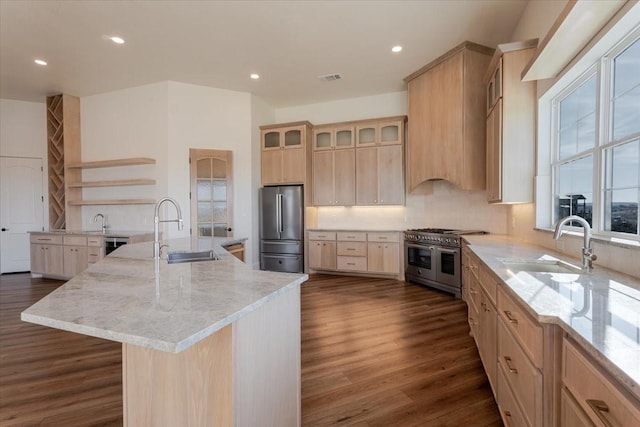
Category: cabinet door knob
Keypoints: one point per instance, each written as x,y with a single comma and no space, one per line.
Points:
5,229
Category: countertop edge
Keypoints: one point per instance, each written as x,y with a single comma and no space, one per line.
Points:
631,385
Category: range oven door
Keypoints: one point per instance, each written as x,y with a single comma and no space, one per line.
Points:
447,266
420,261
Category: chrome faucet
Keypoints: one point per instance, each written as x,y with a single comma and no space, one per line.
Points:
587,252
104,222
156,223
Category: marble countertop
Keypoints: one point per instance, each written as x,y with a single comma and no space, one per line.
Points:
372,230
600,310
109,233
131,298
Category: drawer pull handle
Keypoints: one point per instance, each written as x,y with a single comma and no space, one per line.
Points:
512,370
507,418
351,249
382,238
511,319
472,291
599,407
351,263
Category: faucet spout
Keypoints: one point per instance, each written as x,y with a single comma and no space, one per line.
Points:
104,222
157,221
587,252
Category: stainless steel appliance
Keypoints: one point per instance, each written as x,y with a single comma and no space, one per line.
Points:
432,258
113,243
281,228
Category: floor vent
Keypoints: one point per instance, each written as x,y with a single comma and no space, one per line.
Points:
330,77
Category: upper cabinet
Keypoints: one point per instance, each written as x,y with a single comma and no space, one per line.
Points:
446,131
284,153
384,132
510,125
370,174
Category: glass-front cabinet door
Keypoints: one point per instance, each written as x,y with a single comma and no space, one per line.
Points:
366,135
293,138
344,137
322,139
271,140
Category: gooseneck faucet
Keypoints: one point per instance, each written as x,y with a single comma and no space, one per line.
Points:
587,252
104,222
157,221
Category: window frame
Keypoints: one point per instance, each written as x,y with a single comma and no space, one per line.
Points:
549,104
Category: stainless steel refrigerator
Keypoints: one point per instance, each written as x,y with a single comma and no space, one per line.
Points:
282,228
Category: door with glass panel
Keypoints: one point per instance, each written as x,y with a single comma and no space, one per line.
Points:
211,193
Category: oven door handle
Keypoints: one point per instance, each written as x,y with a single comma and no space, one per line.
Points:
448,251
419,246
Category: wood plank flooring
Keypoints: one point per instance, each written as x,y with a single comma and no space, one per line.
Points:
380,352
375,352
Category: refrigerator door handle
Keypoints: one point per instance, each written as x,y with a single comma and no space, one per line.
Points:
279,199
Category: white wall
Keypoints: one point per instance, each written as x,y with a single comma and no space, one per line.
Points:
23,133
120,124
261,114
23,129
209,118
445,206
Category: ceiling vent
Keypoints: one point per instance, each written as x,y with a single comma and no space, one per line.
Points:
330,77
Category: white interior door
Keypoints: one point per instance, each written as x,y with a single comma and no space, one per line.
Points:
21,210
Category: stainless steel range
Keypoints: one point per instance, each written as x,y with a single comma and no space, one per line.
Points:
432,258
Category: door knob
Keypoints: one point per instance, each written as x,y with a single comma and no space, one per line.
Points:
5,229
229,229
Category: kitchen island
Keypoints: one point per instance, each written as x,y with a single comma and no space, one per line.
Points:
203,343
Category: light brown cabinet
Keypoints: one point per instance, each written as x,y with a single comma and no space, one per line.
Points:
47,259
363,252
76,260
284,153
327,137
593,393
372,173
446,127
380,175
380,132
510,125
334,175
322,250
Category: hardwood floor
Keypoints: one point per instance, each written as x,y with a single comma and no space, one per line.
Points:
384,353
374,353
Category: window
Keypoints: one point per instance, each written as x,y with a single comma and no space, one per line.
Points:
595,126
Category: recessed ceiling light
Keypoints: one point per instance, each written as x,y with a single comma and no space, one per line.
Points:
255,76
117,40
396,49
40,62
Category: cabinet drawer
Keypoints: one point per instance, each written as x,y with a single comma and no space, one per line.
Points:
488,282
521,375
352,236
322,235
50,239
93,258
594,392
95,241
352,248
383,237
75,240
509,410
526,330
352,263
571,415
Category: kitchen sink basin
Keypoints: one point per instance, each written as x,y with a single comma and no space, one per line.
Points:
177,257
540,265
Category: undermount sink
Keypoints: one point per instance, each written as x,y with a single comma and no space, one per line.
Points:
177,257
540,265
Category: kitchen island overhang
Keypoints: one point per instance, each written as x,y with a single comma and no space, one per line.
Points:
204,343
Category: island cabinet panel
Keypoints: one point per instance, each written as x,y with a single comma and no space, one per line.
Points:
191,388
266,364
447,119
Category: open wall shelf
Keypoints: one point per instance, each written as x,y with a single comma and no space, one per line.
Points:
113,163
105,202
113,183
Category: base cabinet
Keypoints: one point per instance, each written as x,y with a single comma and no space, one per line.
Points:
360,252
596,395
47,259
76,260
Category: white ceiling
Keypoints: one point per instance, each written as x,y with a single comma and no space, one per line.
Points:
219,43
